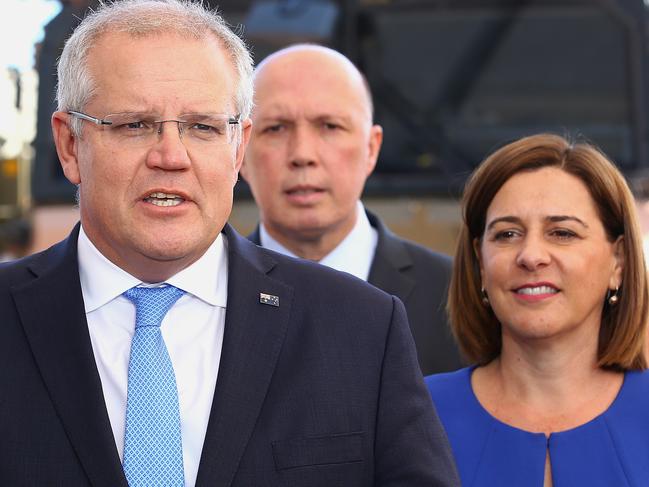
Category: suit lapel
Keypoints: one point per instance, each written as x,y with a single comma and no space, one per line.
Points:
254,333
391,260
53,316
255,236
390,263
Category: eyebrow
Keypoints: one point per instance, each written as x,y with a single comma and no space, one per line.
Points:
551,219
329,116
288,117
156,114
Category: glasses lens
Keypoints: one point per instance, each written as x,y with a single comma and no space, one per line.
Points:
131,125
207,128
143,129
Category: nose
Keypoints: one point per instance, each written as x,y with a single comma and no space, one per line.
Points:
303,148
168,152
533,253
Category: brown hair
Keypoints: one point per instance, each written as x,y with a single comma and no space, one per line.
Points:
622,330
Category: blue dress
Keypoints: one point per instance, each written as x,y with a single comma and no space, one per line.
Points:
611,450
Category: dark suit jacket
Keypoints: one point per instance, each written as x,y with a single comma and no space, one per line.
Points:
419,277
322,390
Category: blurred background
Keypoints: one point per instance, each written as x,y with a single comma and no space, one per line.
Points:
452,80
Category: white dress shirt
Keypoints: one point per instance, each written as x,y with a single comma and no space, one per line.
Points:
192,330
353,255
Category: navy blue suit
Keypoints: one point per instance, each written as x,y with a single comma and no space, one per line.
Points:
322,390
419,277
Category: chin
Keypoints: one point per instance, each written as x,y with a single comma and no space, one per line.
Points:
172,248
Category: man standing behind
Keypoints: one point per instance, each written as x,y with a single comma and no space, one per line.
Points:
157,347
312,147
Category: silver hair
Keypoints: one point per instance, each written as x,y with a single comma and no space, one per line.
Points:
138,18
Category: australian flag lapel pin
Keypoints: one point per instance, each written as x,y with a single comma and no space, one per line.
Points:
268,299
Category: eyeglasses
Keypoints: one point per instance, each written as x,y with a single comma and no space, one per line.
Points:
140,129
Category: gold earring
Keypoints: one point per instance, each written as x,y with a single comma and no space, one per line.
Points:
613,298
485,298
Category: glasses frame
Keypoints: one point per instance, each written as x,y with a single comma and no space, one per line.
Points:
233,120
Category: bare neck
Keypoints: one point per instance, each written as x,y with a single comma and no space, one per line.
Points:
314,245
546,387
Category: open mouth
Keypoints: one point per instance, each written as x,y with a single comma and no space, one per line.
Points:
164,199
303,191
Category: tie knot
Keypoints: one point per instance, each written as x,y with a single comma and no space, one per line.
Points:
152,303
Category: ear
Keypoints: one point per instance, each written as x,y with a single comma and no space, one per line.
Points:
618,268
374,147
243,170
66,146
246,130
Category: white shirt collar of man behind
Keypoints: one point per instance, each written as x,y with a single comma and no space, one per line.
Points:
353,255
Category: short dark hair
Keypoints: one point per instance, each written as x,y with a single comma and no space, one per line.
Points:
622,330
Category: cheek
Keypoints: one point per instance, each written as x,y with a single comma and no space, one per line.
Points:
266,149
348,164
269,166
217,182
495,268
104,167
592,272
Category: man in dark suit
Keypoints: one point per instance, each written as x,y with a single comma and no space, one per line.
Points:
312,147
155,346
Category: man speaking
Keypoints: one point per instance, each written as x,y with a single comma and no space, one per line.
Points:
155,346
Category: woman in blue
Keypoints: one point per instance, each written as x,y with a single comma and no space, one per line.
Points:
549,300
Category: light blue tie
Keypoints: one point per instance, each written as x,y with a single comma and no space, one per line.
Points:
153,452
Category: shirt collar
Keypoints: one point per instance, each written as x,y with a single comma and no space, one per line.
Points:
103,281
353,255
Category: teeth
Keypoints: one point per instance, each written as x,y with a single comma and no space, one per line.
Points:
537,290
164,202
164,199
163,195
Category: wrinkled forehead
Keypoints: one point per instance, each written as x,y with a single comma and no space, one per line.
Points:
162,68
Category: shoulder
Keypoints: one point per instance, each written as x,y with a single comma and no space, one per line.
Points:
637,380
425,256
634,394
316,287
467,427
453,397
627,419
322,282
18,271
55,261
620,435
18,275
449,386
392,245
